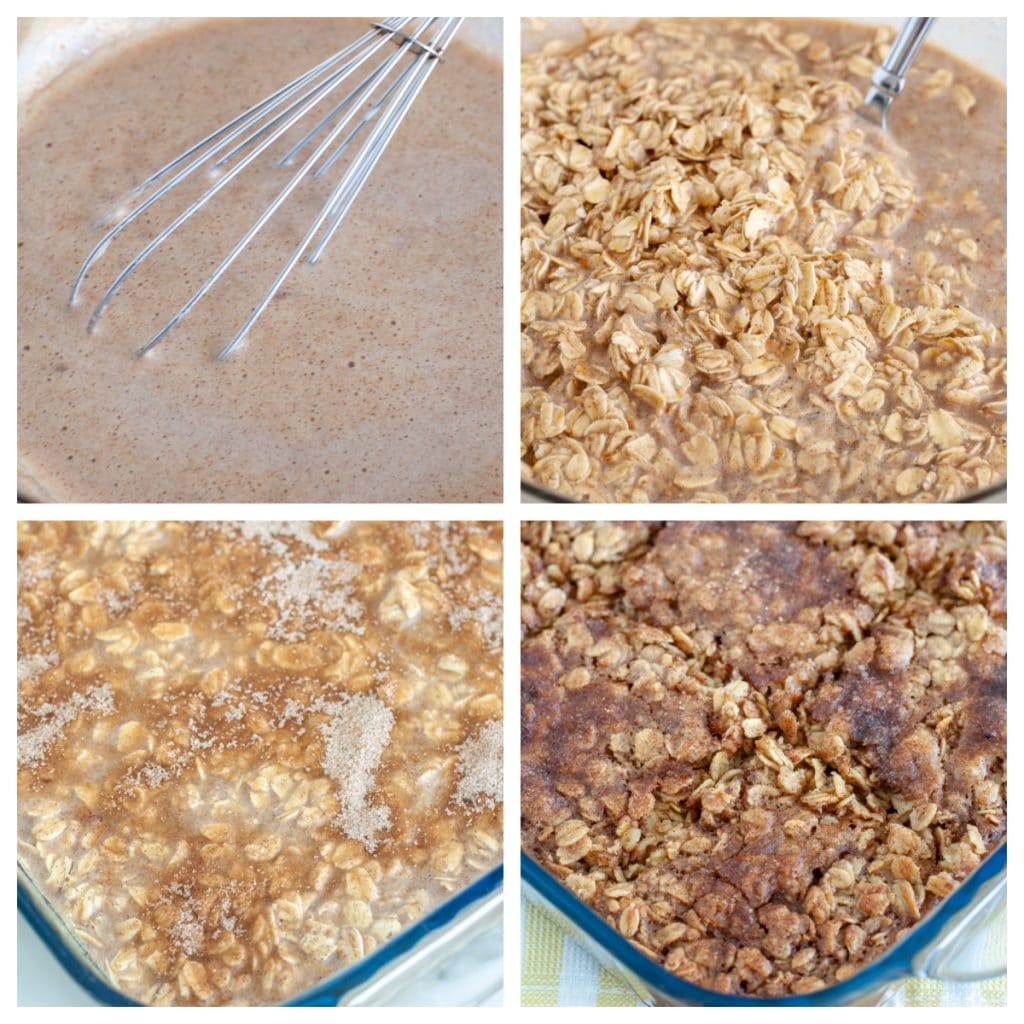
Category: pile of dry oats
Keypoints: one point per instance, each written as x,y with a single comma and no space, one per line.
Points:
763,751
733,288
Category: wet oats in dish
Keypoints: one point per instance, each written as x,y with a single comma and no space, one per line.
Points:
251,753
763,751
734,288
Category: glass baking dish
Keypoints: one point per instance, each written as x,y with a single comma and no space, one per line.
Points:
369,982
979,41
934,948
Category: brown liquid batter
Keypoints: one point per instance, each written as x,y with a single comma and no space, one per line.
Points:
373,376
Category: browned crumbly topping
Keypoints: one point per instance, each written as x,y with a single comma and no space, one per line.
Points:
763,750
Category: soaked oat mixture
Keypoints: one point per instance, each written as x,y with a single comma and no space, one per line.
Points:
733,288
763,751
249,754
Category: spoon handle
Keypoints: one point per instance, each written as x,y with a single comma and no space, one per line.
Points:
890,75
888,78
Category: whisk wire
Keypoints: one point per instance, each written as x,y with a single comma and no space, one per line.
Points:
420,45
274,98
336,76
309,101
262,125
232,130
347,189
358,91
374,148
371,112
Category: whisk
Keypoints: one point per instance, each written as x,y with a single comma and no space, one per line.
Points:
383,96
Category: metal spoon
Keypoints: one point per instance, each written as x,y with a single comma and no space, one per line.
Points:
888,80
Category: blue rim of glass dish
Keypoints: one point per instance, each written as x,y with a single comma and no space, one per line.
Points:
895,964
326,993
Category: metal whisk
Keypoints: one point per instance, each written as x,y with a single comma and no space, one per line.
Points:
384,95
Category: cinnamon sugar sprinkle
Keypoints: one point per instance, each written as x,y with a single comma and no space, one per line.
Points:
356,738
479,768
250,754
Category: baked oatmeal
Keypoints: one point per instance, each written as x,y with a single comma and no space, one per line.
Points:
734,288
763,751
249,754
